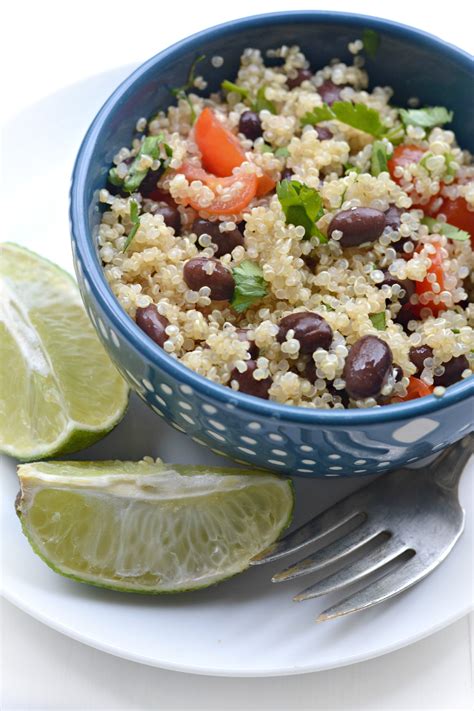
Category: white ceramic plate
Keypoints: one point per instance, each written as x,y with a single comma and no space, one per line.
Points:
246,626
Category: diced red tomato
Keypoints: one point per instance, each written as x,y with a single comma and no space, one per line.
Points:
265,184
219,206
436,268
457,214
220,149
402,156
416,388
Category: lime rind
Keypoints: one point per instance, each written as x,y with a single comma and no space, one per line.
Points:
230,516
56,375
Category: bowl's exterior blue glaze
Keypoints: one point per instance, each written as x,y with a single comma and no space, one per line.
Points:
290,440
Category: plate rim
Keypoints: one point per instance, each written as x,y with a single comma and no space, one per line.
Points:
229,673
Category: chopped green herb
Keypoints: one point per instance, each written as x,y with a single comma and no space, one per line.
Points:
358,116
455,330
318,114
396,134
329,308
250,286
150,147
378,161
428,117
349,168
114,178
261,102
371,40
265,148
230,86
191,77
302,205
282,152
378,321
135,224
444,228
181,91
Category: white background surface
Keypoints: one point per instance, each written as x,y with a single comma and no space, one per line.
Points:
47,46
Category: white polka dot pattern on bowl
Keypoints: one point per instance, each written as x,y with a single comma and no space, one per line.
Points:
415,430
266,441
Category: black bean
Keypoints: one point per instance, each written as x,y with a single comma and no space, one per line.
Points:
311,330
250,125
149,182
170,214
286,174
310,262
406,284
152,323
224,241
399,244
453,370
241,226
309,371
417,355
330,92
243,335
324,134
220,280
392,217
248,384
367,367
358,225
341,393
302,75
404,316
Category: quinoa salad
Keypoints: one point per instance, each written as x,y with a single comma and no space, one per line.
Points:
296,236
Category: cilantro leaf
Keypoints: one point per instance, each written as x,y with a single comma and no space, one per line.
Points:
318,114
371,41
230,86
378,161
261,102
282,152
136,174
428,117
379,321
250,286
265,148
444,228
135,224
359,116
302,205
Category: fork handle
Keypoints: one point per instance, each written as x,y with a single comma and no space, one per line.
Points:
450,465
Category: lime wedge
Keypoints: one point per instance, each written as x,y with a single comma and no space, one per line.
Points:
59,391
150,527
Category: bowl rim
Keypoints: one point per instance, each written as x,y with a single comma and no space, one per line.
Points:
128,329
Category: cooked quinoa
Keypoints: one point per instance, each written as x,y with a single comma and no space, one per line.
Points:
328,266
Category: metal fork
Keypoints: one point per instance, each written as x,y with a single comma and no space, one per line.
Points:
404,525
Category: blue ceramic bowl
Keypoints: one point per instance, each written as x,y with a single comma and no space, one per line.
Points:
286,439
